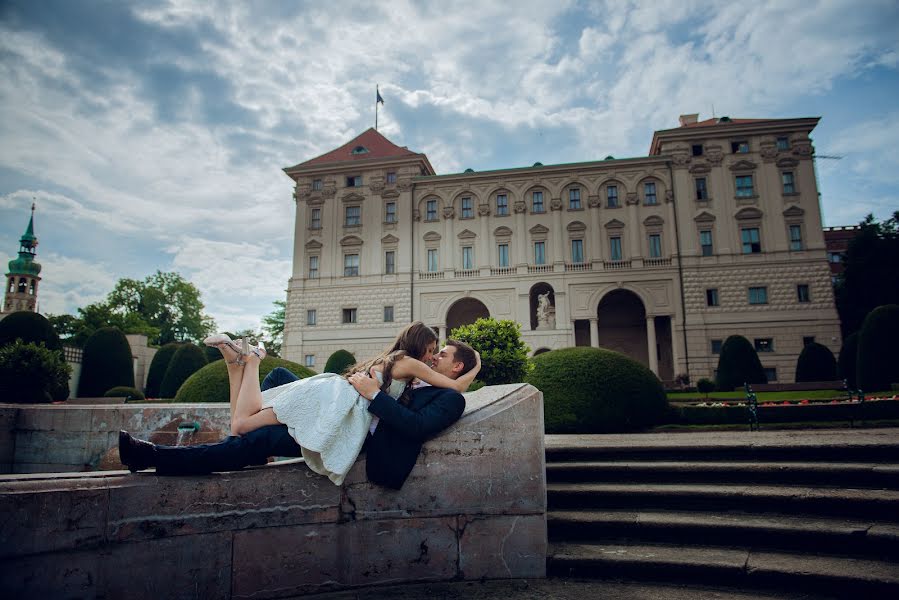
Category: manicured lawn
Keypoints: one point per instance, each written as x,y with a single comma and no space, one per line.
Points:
769,396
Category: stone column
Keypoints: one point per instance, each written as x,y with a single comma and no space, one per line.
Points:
520,234
634,228
442,335
447,256
668,231
595,240
558,232
674,353
651,342
594,333
483,258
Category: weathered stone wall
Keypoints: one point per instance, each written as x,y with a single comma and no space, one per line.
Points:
474,507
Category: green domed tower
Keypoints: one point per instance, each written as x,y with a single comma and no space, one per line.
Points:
23,275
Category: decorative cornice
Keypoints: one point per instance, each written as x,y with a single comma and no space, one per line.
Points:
538,229
555,204
793,211
351,240
390,239
431,236
466,234
632,198
704,217
748,213
390,193
614,224
700,168
352,197
714,154
502,231
653,220
787,162
449,212
520,207
594,201
576,226
743,165
313,245
483,210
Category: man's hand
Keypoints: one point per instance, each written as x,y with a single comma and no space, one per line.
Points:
366,386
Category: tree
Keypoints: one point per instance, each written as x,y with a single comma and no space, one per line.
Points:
871,272
504,356
106,363
273,326
29,327
158,366
847,360
816,363
339,362
878,354
187,360
30,372
738,364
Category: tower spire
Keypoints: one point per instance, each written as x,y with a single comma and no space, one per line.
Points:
24,273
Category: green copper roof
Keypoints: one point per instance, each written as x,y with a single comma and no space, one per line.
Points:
25,264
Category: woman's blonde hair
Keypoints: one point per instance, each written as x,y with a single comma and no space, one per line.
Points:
412,341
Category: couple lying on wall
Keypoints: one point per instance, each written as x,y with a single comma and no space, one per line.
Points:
390,405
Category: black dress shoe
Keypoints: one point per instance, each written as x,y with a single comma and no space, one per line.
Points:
134,453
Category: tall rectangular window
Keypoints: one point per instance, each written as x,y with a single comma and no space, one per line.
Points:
353,216
577,251
349,315
783,143
615,248
716,346
432,260
787,178
467,208
539,253
537,202
391,176
711,297
467,257
758,295
310,316
317,185
705,242
316,221
502,204
802,293
612,196
750,238
313,267
503,255
744,186
431,212
770,374
655,245
350,265
649,193
354,181
388,314
390,262
702,190
574,198
310,360
795,237
390,212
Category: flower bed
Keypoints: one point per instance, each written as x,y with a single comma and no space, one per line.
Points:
787,411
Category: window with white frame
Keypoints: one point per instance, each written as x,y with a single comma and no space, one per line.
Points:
390,262
502,258
391,176
655,245
751,241
574,198
388,314
789,187
705,242
467,208
349,315
577,251
313,267
739,147
612,196
467,257
354,181
431,210
539,253
702,190
432,260
350,265
758,295
795,237
744,185
537,202
649,193
353,216
315,220
711,297
783,143
615,248
502,205
309,360
390,212
310,316
802,293
317,185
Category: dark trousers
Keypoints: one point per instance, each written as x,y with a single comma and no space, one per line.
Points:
236,451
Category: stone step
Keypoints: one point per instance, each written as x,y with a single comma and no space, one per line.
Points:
732,566
879,505
864,475
781,533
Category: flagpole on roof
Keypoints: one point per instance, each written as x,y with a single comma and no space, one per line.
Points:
378,100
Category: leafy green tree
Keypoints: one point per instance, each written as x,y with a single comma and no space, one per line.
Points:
738,364
504,356
29,327
158,366
871,272
31,372
187,360
878,351
273,326
106,363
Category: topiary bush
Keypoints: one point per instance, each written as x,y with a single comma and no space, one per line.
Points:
158,366
29,327
106,363
121,391
594,390
187,360
738,364
705,386
504,356
339,362
210,384
878,349
847,360
816,363
32,372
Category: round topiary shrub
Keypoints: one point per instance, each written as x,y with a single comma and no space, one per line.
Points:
158,366
128,393
29,327
210,384
187,360
106,363
339,362
31,372
878,349
847,360
504,356
705,386
816,363
738,364
594,390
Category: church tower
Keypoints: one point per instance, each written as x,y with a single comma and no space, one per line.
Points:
24,274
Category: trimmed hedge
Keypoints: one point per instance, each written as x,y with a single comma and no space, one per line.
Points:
158,366
210,384
738,364
594,390
128,393
795,413
878,349
847,360
339,362
187,360
32,372
504,356
29,327
816,363
106,363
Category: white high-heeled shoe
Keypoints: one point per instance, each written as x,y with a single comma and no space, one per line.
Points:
220,339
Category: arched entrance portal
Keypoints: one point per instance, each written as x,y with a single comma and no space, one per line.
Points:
465,312
622,325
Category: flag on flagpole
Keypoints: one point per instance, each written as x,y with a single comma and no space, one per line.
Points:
378,99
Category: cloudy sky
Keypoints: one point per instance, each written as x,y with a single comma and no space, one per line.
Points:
152,134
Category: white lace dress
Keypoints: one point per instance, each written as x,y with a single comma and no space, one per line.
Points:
327,418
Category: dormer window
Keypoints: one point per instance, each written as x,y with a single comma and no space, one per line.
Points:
317,185
354,181
360,150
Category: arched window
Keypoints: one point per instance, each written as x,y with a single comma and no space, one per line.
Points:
23,285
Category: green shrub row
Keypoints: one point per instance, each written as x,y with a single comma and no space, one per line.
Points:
708,415
210,384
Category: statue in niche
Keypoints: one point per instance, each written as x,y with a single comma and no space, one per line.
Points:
546,312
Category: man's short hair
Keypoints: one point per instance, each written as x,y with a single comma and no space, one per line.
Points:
464,354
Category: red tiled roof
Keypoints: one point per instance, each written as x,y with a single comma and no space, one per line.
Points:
377,145
715,121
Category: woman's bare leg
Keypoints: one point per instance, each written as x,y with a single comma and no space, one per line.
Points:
247,414
235,377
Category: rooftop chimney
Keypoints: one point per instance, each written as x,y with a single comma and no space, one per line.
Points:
688,119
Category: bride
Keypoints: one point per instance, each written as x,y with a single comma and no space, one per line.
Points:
324,413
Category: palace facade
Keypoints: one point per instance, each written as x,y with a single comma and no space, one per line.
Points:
716,232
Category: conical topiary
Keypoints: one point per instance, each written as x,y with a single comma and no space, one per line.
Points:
738,364
878,351
158,366
339,362
106,363
847,360
29,327
188,359
816,363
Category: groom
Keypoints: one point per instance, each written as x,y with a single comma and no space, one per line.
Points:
391,451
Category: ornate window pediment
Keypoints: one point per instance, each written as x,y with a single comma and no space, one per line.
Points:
352,197
467,234
538,229
704,217
653,221
431,236
313,245
748,213
351,240
614,224
743,165
576,226
390,194
502,231
787,162
390,239
700,168
793,211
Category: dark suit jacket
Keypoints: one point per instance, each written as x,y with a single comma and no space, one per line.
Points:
394,448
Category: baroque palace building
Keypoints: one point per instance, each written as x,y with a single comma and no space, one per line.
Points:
716,232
